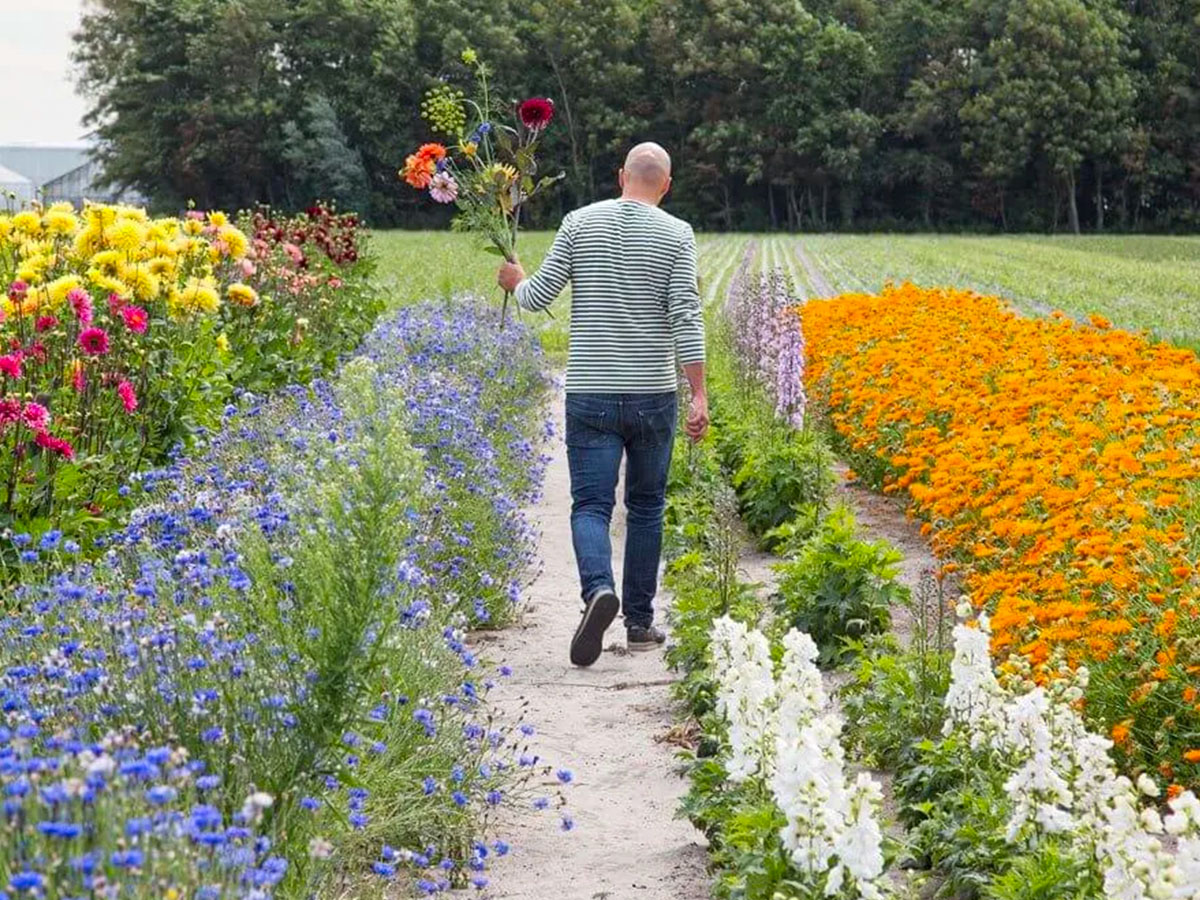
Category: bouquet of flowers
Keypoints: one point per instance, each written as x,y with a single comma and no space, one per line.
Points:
490,168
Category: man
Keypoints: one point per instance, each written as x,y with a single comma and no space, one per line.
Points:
635,314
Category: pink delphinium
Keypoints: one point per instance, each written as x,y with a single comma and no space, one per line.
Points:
128,397
443,188
81,302
94,341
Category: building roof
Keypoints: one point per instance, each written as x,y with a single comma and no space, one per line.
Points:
9,178
41,163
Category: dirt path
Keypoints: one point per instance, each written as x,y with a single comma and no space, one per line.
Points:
602,724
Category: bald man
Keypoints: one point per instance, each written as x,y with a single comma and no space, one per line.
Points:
635,321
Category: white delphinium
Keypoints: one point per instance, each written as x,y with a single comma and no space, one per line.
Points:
745,696
810,789
859,848
974,699
1039,793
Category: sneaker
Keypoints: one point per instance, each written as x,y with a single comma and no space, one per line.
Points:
588,641
639,638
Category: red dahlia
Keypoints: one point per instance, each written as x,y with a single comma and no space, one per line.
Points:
536,113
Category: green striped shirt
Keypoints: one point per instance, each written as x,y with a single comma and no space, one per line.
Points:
635,308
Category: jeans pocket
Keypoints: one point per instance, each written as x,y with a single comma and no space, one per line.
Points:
591,422
658,423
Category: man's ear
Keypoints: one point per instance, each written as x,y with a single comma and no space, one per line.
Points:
621,178
666,187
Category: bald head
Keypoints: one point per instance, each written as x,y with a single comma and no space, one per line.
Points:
647,172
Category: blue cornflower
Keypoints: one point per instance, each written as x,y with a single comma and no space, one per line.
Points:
459,798
51,539
501,848
127,859
27,881
527,730
457,774
568,824
385,869
429,785
541,803
212,735
359,820
505,671
564,776
310,803
161,794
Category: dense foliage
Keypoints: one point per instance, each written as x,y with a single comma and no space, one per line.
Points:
1018,114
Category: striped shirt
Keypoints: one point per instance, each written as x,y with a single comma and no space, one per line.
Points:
635,307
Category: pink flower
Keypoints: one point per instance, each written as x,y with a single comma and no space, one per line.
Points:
58,445
335,282
10,365
94,341
10,411
294,252
443,188
115,303
17,291
248,267
78,378
136,318
128,397
35,417
81,302
45,323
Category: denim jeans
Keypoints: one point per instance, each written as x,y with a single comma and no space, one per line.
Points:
600,429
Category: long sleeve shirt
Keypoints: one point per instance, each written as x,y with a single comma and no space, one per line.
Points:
635,306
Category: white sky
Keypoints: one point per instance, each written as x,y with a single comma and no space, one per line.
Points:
37,99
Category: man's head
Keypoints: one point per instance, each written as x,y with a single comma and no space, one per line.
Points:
646,175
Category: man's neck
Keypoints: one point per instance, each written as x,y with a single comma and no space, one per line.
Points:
638,197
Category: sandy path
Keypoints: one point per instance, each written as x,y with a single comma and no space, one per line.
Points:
601,723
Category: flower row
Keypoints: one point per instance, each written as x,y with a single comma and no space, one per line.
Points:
120,333
262,682
1055,464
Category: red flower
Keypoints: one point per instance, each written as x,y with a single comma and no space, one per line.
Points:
136,318
11,365
45,323
536,113
94,341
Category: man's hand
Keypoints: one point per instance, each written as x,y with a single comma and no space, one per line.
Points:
697,420
510,275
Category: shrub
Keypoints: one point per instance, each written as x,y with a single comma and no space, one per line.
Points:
783,474
839,586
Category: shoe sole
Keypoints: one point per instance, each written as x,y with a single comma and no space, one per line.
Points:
643,648
588,642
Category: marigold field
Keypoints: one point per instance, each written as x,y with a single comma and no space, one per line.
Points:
1055,464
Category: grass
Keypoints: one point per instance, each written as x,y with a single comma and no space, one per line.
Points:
1139,282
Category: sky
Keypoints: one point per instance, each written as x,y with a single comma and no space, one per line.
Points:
37,99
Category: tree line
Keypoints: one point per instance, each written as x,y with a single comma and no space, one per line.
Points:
824,114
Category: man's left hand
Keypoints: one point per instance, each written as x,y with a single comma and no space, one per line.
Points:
510,275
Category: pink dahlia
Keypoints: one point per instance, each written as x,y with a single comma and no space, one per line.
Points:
17,291
10,411
443,188
10,365
45,323
536,113
58,445
35,417
136,318
115,303
81,302
94,341
127,395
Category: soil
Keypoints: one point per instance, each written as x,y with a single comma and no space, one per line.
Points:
610,725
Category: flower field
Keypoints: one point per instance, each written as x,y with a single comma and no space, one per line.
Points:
261,686
122,334
1056,465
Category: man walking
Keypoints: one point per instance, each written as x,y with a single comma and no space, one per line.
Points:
635,316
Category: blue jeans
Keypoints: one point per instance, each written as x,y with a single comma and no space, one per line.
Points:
600,429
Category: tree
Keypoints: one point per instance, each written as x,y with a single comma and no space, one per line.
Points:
1052,81
323,164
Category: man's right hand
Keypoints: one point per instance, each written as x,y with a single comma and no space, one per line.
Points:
697,420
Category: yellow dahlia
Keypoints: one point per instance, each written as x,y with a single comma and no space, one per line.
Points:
242,294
